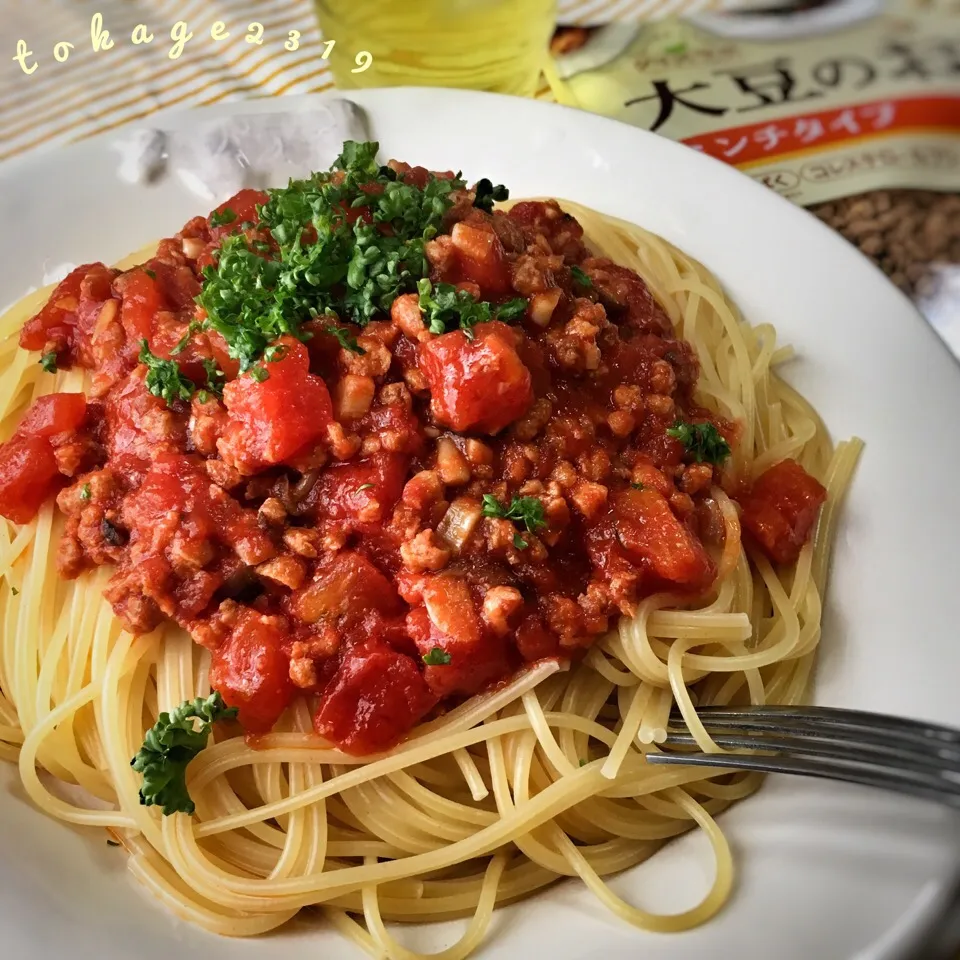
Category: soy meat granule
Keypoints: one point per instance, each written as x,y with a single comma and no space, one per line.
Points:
910,234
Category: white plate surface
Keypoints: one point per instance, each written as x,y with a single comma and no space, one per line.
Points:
825,872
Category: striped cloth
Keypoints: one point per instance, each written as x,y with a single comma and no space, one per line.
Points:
92,92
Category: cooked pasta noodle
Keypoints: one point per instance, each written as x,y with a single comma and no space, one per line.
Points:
540,779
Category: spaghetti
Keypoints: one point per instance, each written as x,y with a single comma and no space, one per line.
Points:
539,778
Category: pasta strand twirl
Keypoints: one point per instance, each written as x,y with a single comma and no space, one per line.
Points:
536,780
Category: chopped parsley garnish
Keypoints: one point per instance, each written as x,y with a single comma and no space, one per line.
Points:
638,486
446,308
522,510
358,156
319,262
260,373
703,441
511,309
170,744
580,277
216,378
85,492
487,193
274,352
150,274
345,338
112,843
220,218
437,657
164,378
49,361
238,296
15,591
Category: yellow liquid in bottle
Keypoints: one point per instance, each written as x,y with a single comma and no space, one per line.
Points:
497,45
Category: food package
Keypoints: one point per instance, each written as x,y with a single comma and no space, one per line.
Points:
848,107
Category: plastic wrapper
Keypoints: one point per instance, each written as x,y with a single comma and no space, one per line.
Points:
850,108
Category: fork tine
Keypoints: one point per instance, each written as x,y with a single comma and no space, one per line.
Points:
798,722
820,769
810,733
837,749
874,749
915,730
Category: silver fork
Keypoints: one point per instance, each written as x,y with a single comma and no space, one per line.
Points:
906,756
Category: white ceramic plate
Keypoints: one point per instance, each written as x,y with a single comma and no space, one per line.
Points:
825,872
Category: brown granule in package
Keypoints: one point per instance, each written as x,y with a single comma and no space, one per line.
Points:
909,234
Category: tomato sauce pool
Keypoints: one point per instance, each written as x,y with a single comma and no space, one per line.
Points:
374,443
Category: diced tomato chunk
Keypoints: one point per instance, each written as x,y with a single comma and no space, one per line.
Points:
365,491
272,420
28,474
97,316
28,466
53,414
478,384
141,300
252,672
650,532
345,585
66,321
244,207
449,621
451,608
781,509
56,319
480,257
376,696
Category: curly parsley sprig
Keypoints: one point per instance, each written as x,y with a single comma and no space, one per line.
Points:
170,744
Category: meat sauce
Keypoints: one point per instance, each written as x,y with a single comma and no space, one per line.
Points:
352,526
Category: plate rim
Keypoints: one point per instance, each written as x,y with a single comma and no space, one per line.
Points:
379,99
